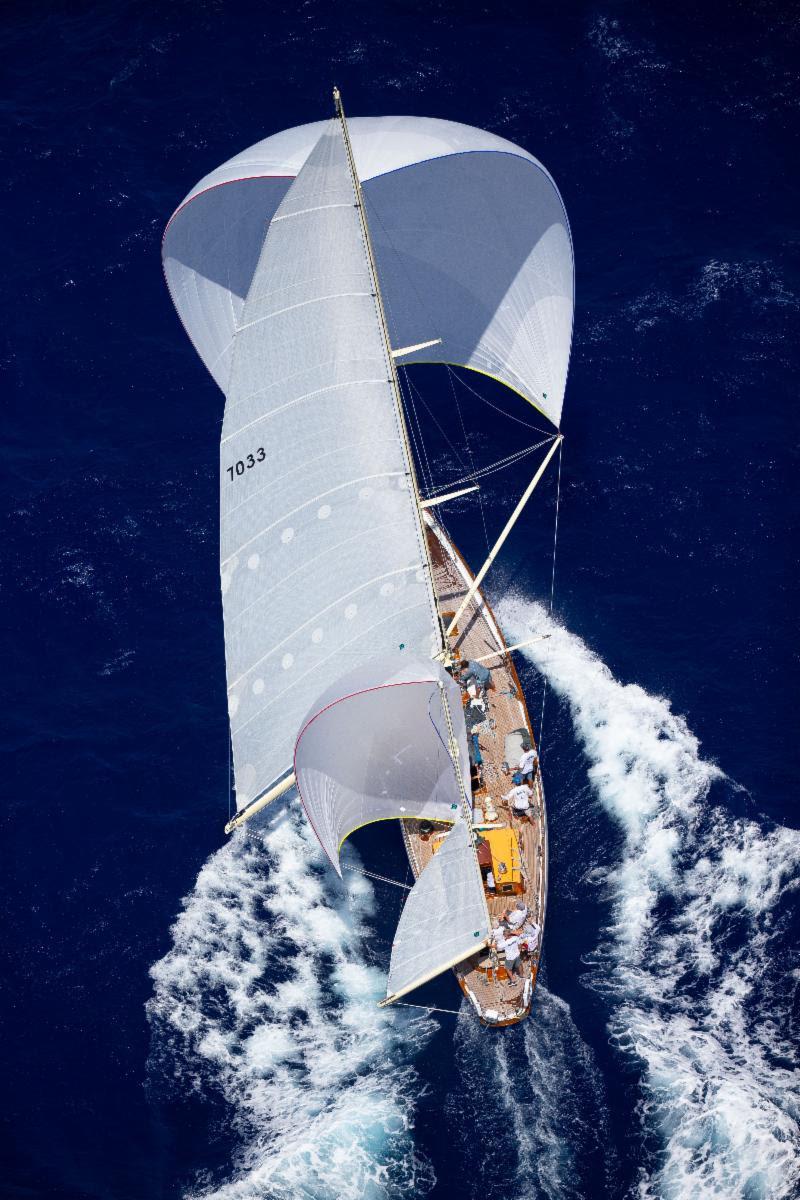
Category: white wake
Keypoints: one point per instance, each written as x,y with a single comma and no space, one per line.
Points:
265,997
531,1107
686,962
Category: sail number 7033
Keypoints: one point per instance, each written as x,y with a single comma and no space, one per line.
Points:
247,463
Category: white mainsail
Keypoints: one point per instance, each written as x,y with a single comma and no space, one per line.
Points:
445,918
323,557
375,746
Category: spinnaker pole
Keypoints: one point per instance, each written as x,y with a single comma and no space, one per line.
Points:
512,520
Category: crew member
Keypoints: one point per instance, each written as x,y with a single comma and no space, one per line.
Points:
476,671
527,764
520,799
531,932
516,917
513,962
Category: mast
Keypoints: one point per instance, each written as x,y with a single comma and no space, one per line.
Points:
390,359
453,747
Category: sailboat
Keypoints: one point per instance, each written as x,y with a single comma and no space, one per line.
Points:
365,667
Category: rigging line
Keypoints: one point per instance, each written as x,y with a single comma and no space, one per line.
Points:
374,875
401,902
422,453
497,408
454,1012
410,421
450,374
411,391
432,415
501,463
552,585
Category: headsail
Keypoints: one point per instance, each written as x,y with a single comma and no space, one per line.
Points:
445,918
323,554
470,236
375,746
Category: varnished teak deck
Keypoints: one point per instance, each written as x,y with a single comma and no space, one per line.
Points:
478,634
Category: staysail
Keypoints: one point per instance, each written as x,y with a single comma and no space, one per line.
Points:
375,746
323,557
445,918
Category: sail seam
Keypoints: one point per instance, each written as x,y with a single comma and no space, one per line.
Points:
313,500
301,211
340,600
303,304
314,669
299,400
305,466
310,562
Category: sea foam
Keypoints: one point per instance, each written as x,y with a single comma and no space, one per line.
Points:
530,1109
265,998
698,1002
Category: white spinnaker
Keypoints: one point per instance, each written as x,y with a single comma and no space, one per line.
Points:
374,747
322,554
445,917
470,236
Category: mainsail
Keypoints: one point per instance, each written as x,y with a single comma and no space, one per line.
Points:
376,745
323,556
445,918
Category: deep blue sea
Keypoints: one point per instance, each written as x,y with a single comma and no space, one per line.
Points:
164,1033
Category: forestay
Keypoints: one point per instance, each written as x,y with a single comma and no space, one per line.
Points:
375,746
322,553
445,918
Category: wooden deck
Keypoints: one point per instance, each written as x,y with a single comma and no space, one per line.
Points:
482,977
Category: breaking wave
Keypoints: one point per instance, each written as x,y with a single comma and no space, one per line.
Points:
265,998
692,961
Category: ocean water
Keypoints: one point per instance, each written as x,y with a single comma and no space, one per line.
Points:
190,1016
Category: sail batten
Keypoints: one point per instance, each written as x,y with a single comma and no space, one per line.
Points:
321,560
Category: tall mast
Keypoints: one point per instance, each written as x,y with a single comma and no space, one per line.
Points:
395,382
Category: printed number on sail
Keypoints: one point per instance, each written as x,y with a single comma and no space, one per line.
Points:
247,463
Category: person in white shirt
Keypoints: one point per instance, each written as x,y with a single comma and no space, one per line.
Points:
520,798
498,937
530,936
515,917
527,765
513,962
